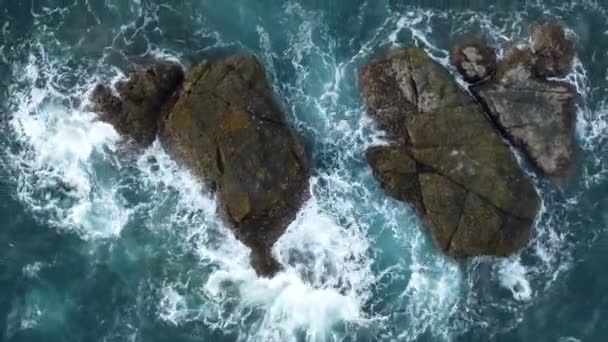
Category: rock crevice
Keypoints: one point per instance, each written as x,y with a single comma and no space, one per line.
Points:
534,113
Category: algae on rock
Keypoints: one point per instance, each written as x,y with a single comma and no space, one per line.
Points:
446,158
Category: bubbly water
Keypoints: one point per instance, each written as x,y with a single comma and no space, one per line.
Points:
98,244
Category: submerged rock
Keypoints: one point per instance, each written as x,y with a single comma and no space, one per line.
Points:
446,159
228,128
553,51
474,59
535,114
137,108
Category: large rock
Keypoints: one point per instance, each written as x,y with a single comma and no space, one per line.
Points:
229,130
537,115
554,52
137,107
446,159
474,59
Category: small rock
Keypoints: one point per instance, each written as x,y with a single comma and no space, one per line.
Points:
474,59
553,50
137,107
228,128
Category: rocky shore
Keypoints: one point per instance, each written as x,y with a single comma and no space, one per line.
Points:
449,153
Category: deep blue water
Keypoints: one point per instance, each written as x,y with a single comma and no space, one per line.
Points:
99,245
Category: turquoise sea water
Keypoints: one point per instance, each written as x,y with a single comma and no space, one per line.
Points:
101,245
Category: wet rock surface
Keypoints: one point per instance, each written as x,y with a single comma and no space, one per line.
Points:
553,50
537,115
445,158
228,128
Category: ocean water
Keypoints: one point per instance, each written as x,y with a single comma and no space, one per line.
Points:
98,244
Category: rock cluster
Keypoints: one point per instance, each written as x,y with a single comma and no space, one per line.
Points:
223,122
446,156
446,159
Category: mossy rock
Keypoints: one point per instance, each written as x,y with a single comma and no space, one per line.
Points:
229,129
447,160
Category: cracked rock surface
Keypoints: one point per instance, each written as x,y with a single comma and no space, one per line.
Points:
445,158
228,128
537,115
222,121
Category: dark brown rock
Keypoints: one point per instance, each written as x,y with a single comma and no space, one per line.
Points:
535,114
474,59
136,109
446,159
397,173
228,128
554,52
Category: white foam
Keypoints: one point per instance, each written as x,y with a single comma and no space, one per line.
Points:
54,160
160,172
31,270
100,217
289,305
31,318
513,276
63,139
432,290
325,273
172,306
59,143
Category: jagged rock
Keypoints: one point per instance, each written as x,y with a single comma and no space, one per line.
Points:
229,130
474,59
446,159
554,52
137,108
535,114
